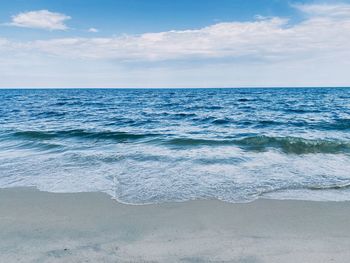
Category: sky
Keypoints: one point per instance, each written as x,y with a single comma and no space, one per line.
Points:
179,43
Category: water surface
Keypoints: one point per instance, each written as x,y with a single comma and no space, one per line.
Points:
156,145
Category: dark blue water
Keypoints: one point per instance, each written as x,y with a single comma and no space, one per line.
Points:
149,146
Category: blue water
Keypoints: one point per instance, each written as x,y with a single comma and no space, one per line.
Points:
150,145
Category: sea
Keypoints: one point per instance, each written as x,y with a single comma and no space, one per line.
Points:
146,146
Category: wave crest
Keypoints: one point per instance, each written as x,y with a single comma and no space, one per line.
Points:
288,145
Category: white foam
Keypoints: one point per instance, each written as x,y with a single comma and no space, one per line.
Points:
140,174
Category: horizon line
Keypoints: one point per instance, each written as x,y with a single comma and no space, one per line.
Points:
237,87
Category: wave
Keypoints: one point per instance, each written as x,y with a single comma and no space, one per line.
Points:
195,142
338,125
258,143
79,133
330,187
244,100
37,145
312,187
184,115
221,121
294,145
301,111
289,145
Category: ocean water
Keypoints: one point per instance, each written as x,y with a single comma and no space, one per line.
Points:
146,146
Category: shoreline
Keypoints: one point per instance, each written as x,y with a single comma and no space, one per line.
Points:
262,198
39,226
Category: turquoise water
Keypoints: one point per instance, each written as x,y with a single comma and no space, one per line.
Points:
157,145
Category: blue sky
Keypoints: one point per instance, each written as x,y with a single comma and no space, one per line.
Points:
182,43
140,16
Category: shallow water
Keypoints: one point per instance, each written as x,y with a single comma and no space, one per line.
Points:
155,145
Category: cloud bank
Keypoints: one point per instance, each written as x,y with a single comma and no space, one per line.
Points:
326,30
265,51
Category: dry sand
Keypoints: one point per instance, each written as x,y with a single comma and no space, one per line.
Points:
90,227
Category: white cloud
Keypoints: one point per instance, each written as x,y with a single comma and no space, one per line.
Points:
236,39
42,19
93,30
325,10
268,39
325,30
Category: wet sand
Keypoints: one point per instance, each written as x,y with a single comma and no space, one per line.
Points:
90,227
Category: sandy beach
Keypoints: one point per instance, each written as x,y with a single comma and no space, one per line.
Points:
90,227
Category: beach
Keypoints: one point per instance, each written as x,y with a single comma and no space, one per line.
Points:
91,227
212,131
